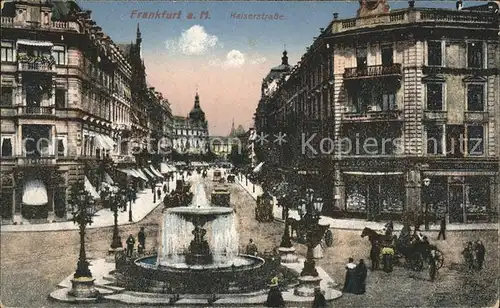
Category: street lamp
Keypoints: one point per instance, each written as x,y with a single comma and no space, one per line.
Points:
130,195
285,203
115,200
427,183
314,232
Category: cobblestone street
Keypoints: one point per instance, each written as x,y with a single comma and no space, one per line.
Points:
32,264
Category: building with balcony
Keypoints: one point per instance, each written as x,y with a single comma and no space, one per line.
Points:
190,134
411,94
66,108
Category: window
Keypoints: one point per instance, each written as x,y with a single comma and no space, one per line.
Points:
387,56
435,96
388,101
59,54
434,139
60,98
475,97
475,55
7,51
61,146
455,140
6,96
361,57
6,146
434,53
475,140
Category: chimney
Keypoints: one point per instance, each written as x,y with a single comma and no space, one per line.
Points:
335,16
459,5
321,30
411,4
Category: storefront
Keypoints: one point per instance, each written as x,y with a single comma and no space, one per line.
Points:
373,195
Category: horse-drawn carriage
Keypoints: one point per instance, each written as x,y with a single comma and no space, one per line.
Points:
300,229
411,248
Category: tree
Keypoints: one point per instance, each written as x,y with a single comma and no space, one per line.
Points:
239,158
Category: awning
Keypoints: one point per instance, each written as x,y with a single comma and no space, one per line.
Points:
141,175
164,168
99,143
372,173
110,142
90,189
156,172
128,172
108,179
35,193
148,173
112,188
258,168
35,43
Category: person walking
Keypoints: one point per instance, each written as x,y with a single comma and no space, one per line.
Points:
442,228
361,273
130,245
274,297
251,248
141,237
319,298
468,254
480,252
158,193
375,255
350,277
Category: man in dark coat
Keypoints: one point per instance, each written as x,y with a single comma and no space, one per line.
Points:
130,245
350,277
361,273
480,252
319,299
375,255
442,229
142,240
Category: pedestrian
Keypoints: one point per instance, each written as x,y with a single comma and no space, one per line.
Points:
319,298
468,254
141,237
251,248
350,277
480,253
130,245
158,193
375,255
165,188
361,273
274,297
442,229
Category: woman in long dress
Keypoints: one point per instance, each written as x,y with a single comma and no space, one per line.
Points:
361,273
350,277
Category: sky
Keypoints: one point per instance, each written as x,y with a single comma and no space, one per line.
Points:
223,58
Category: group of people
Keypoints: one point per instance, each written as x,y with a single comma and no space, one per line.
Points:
141,237
275,297
355,277
474,255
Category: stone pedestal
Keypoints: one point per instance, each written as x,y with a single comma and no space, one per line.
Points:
306,286
112,252
17,219
318,252
287,255
83,287
51,217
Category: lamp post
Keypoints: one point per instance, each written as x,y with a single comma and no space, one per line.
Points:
311,219
427,183
83,210
115,202
130,196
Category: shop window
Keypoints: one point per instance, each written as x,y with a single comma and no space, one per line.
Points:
60,98
387,56
7,53
6,96
60,202
434,53
434,139
356,197
361,57
475,140
475,97
475,55
435,96
59,54
6,146
478,193
6,203
392,198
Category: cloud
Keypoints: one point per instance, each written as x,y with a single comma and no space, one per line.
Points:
193,41
236,59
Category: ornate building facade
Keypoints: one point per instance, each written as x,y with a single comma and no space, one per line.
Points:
190,134
398,110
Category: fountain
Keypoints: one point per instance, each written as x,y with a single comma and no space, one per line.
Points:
188,253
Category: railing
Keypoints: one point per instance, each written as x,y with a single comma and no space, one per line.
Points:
372,116
54,25
415,16
37,110
373,71
36,161
123,159
35,67
476,116
435,115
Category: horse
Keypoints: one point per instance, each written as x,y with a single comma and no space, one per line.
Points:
373,236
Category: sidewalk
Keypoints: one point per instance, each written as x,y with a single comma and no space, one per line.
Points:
102,218
356,224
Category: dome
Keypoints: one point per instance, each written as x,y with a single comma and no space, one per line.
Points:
196,114
279,70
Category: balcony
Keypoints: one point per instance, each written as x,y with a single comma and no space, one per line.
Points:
435,115
123,159
63,26
373,71
43,161
36,110
476,117
374,116
39,64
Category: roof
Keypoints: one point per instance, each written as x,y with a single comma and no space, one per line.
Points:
64,10
126,49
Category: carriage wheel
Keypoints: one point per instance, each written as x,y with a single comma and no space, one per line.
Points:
438,258
433,269
329,238
417,262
